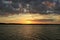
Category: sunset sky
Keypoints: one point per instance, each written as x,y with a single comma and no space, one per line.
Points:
29,18
25,11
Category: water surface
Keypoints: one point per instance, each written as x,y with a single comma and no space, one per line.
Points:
29,32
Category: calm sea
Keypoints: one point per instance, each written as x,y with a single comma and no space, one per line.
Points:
29,32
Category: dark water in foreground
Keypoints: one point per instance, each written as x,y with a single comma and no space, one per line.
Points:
29,32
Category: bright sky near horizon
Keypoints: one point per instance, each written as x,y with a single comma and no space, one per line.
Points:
25,18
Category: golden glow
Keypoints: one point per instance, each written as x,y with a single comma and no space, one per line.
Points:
28,18
26,22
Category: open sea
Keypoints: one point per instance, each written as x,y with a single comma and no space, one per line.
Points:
29,32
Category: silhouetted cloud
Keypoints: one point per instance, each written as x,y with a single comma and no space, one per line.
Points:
34,6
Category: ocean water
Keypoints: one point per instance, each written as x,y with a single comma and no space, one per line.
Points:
29,32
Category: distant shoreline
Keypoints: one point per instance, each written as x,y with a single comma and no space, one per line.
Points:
25,24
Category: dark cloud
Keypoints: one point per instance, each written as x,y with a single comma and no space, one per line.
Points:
35,6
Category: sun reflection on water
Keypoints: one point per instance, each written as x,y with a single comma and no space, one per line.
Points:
29,31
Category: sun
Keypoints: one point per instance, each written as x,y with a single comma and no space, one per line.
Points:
26,22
